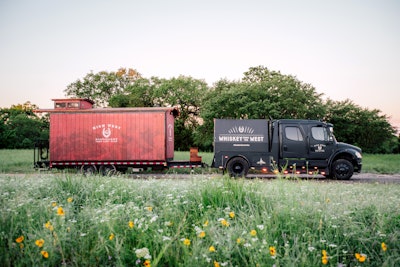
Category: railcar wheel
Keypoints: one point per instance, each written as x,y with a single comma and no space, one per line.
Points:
237,167
108,170
88,170
342,169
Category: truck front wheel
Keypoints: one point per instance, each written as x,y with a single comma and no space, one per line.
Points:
237,167
342,169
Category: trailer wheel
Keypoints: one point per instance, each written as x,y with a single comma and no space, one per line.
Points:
342,169
108,170
237,167
88,170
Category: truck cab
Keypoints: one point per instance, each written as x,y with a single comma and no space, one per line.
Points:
296,146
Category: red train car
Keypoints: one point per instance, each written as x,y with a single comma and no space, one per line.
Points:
109,139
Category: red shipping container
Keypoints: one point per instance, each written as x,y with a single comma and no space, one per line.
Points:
112,134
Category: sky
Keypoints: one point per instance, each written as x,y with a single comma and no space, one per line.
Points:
346,49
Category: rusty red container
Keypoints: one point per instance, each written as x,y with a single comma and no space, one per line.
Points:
112,134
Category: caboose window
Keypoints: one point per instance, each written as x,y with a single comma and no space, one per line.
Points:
59,105
73,105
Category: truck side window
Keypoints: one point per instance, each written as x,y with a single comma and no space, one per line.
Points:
293,133
319,133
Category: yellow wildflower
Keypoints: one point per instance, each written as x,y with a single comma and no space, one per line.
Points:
149,208
39,243
272,251
253,232
131,224
239,241
44,253
205,223
70,199
202,234
232,214
224,223
111,237
20,239
60,211
384,247
147,263
186,242
53,203
216,264
211,249
360,257
325,257
49,226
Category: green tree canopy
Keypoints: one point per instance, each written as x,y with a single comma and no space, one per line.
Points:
362,127
20,127
101,86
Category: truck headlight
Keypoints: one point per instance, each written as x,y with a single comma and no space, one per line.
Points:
358,155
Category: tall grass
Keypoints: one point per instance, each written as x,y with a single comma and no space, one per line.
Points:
54,220
21,161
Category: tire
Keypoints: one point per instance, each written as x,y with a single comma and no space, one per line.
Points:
88,170
108,170
342,169
237,167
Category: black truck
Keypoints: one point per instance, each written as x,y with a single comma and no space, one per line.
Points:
288,146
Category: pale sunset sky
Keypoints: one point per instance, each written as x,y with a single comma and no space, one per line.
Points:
346,49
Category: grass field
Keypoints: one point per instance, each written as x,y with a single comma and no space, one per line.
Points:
21,161
72,220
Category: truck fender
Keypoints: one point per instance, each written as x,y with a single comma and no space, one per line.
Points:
338,164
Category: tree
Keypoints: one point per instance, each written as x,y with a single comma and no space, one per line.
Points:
182,92
360,126
21,127
101,86
261,94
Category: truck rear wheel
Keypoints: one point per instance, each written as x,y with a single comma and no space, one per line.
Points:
237,167
342,169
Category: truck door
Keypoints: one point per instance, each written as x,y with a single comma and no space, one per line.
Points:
321,146
293,144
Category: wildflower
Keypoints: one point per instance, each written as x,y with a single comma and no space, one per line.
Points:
149,208
186,242
20,239
232,214
131,224
224,222
70,199
216,264
143,253
205,223
272,251
60,211
324,258
53,203
383,246
49,226
39,243
211,249
45,254
202,234
253,232
361,257
147,263
111,237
